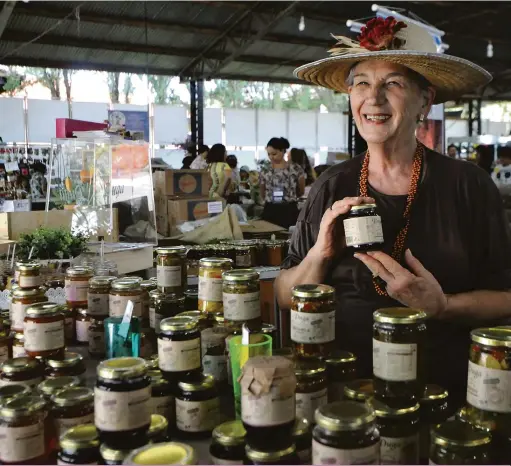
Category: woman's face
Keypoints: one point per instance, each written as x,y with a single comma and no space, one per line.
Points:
386,103
276,156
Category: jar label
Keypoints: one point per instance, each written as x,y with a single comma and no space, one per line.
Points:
29,281
243,260
336,391
62,424
76,291
400,450
215,460
242,306
210,289
215,366
21,443
82,331
197,416
168,275
489,389
115,411
97,304
97,342
363,230
322,454
396,362
44,336
18,352
152,312
17,315
270,409
164,405
4,353
307,403
308,327
117,305
31,382
176,356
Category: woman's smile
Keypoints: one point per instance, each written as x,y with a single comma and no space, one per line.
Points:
377,118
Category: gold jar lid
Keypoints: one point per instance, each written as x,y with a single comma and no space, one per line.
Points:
459,434
309,367
24,262
192,293
157,378
8,392
70,360
28,267
178,323
274,243
148,285
219,319
22,406
313,291
240,275
44,310
122,368
269,457
399,315
230,433
163,453
198,316
27,292
363,207
224,247
159,425
49,387
15,365
101,281
80,437
111,454
302,427
344,415
152,361
492,336
268,328
359,390
216,262
171,251
72,396
79,271
433,392
339,358
384,410
125,284
204,382
160,297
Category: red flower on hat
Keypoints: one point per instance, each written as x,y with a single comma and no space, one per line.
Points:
380,34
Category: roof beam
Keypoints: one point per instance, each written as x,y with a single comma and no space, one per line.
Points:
5,14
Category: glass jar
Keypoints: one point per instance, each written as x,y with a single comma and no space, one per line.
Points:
228,443
459,443
122,291
214,358
192,260
158,429
98,295
121,401
113,456
82,325
270,329
399,336
29,275
311,387
191,299
77,285
21,370
179,351
241,297
361,390
22,430
49,387
171,269
55,281
44,331
97,342
274,252
163,453
8,392
164,305
79,445
341,367
6,320
245,256
72,407
302,438
147,286
21,299
146,346
362,228
434,409
345,433
197,407
210,283
16,268
284,456
313,319
69,324
203,320
71,364
162,397
5,347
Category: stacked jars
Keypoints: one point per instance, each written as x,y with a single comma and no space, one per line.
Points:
211,285
98,309
77,288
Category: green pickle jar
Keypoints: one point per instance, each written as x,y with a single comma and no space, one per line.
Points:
228,443
241,297
79,445
171,273
434,410
340,369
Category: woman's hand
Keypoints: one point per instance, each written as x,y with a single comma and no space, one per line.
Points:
419,289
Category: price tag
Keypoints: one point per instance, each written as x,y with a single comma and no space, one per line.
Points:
215,207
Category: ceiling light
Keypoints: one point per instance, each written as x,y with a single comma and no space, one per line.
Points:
301,24
489,49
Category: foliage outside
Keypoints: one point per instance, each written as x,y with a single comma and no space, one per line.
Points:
51,243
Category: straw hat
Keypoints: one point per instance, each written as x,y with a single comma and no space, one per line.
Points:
405,44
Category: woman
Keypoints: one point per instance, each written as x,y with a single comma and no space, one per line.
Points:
300,157
200,163
219,171
447,245
281,184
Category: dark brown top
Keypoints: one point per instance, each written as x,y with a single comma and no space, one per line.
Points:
457,230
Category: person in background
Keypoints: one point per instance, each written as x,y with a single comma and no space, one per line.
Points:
220,172
200,162
187,161
245,177
299,156
452,151
232,161
282,183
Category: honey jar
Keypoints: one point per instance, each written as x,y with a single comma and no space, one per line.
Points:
123,290
147,286
164,305
361,390
77,285
214,359
210,283
29,275
21,298
44,330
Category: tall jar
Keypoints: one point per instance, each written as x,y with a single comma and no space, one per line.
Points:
164,305
22,298
275,252
340,369
77,285
147,286
313,319
122,291
44,331
311,387
82,325
171,269
29,275
241,297
210,283
71,407
434,409
79,445
398,355
98,295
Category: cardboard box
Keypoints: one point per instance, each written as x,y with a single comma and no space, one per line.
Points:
184,210
182,183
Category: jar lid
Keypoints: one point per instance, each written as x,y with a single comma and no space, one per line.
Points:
148,285
125,284
268,328
178,323
359,390
196,315
216,262
158,425
8,392
72,396
14,365
339,358
302,427
22,406
493,336
344,415
24,262
399,315
79,271
274,243
50,387
230,433
152,361
485,420
202,382
122,368
434,392
101,280
70,359
27,292
240,275
157,378
219,319
213,336
459,434
163,453
192,292
270,457
313,291
309,367
159,296
44,309
28,266
79,437
111,454
384,410
363,207
171,251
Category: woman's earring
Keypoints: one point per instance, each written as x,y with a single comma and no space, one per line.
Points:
421,117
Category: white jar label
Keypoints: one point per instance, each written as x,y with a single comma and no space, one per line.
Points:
176,356
17,315
164,405
363,230
44,336
396,362
242,306
215,366
18,352
31,382
307,403
210,289
82,331
29,281
489,389
117,305
77,290
270,409
115,411
197,416
308,327
97,342
62,424
404,450
21,443
243,260
97,304
215,460
152,312
168,275
321,454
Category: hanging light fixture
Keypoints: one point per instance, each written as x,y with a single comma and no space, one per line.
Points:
489,50
301,24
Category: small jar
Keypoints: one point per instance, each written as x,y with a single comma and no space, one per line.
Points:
162,399
459,443
164,305
259,456
72,407
113,456
97,342
82,325
22,431
171,269
71,364
77,285
69,324
121,401
21,370
8,392
203,320
311,387
434,409
21,299
165,453
29,275
302,438
210,283
147,286
98,295
214,358
122,291
44,331
228,443
158,429
5,347
55,281
179,351
241,297
340,369
362,228
345,433
17,265
361,390
399,336
313,319
49,387
79,445
274,252
191,299
197,407
244,256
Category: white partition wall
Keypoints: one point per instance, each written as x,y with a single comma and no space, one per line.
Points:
130,107
41,118
240,127
332,130
170,124
270,124
212,126
12,123
90,111
303,129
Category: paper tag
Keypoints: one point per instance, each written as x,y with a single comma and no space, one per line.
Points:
210,289
399,450
97,304
45,336
322,454
363,230
396,362
168,275
489,389
241,307
177,356
215,207
307,403
308,327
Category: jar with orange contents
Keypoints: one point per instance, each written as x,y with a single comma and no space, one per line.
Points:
29,275
21,299
27,371
210,283
44,331
77,285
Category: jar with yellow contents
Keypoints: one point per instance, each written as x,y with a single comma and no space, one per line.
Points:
29,275
21,299
210,283
77,285
311,387
241,297
122,291
171,273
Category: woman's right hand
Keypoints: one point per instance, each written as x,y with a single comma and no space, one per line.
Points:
328,244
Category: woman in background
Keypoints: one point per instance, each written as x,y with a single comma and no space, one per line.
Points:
200,163
219,171
299,156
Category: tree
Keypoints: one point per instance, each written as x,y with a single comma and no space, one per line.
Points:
112,81
15,81
163,93
49,78
129,87
68,79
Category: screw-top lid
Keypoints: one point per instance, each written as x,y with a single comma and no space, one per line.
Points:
44,309
230,433
240,275
363,207
159,425
399,315
302,427
459,434
340,358
70,359
122,368
492,336
80,437
177,323
112,454
79,271
163,453
313,291
51,386
126,284
171,251
344,415
27,292
8,392
433,392
216,262
22,406
384,410
15,365
202,382
101,281
268,457
73,396
359,390
309,367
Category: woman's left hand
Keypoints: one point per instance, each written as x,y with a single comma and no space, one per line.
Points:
417,289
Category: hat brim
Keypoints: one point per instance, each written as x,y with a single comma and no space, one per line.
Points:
452,77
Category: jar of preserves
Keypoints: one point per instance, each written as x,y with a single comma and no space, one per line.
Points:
79,445
203,320
29,275
77,285
8,392
399,336
113,456
197,407
98,295
313,319
21,299
47,388
210,283
302,438
22,430
341,367
241,297
146,346
345,433
191,299
69,324
228,443
362,228
192,260
268,385
55,281
456,442
162,397
361,390
97,342
311,388
82,325
275,252
214,359
179,351
17,265
72,407
5,347
270,329
245,256
44,331
434,409
158,429
259,456
71,364
163,453
122,291
164,305
171,269
147,286
21,370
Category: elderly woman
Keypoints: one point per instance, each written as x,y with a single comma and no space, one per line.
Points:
447,247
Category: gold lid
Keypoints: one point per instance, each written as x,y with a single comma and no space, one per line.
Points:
72,396
80,437
434,392
158,425
203,382
192,292
70,359
313,291
384,410
44,309
270,457
492,336
359,390
163,453
268,328
485,420
100,281
178,323
344,415
125,284
49,387
399,315
196,315
216,262
15,365
111,454
230,433
340,358
27,292
309,367
240,275
28,266
171,251
122,368
219,319
302,427
148,285
22,406
8,392
459,434
224,247
79,271
160,297
363,206
152,361
157,378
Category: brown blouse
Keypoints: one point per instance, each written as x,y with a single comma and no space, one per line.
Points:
457,230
